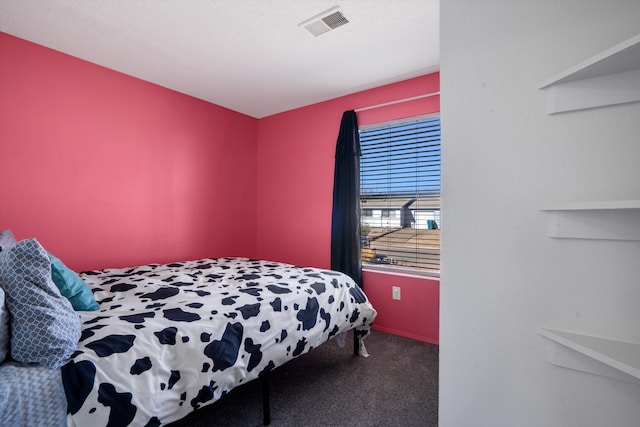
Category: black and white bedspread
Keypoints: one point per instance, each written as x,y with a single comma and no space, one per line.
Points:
169,339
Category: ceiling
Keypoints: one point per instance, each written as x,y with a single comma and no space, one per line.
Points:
250,56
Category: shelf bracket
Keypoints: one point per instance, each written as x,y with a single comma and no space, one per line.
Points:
609,78
612,220
613,89
599,356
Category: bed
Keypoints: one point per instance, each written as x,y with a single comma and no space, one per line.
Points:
169,339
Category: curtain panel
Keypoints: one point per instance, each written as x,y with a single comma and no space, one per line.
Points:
345,219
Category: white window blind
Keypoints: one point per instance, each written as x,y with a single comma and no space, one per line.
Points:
400,192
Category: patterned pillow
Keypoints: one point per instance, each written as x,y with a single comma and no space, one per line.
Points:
4,328
6,240
44,327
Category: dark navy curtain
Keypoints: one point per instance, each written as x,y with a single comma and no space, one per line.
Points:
345,219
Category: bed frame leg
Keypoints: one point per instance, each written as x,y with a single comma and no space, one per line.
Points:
266,406
356,343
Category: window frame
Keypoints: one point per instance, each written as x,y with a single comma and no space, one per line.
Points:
387,268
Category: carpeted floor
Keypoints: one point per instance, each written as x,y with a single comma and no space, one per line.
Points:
396,386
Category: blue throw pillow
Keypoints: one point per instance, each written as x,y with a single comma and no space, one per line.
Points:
44,327
5,336
72,286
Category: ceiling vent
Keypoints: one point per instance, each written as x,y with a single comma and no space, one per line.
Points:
325,21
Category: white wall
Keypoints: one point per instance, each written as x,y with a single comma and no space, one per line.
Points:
503,158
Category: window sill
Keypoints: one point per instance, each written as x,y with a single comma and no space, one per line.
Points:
400,272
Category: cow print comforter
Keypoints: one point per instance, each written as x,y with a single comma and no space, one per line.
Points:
169,339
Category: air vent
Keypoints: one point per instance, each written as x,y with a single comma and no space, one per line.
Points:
324,22
335,20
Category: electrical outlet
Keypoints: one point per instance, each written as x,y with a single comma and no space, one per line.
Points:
395,292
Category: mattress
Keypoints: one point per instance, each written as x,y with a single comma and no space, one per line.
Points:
169,339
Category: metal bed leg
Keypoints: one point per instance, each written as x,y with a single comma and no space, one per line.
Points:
266,407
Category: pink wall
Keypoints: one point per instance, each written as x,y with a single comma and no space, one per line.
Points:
107,170
416,315
295,184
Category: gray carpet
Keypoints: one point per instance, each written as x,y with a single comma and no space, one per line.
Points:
396,386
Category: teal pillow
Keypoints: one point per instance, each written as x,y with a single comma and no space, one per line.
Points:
72,286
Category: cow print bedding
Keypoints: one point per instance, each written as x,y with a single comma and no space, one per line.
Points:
170,339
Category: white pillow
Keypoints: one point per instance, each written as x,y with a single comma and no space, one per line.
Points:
6,240
5,337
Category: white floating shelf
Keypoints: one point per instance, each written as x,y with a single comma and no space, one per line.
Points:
604,220
622,57
595,355
593,205
608,78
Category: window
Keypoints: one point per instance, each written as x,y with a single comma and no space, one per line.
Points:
400,180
